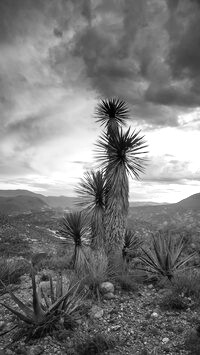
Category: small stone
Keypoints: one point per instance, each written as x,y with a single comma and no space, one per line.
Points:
109,296
2,325
154,315
96,312
115,327
106,287
165,340
150,286
36,350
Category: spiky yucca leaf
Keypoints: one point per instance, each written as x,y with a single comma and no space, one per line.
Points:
91,191
112,113
76,230
164,256
131,244
121,151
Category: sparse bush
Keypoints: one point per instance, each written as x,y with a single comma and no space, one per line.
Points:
192,343
127,282
11,270
173,301
188,283
97,271
95,345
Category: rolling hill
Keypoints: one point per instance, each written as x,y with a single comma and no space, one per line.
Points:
23,200
21,204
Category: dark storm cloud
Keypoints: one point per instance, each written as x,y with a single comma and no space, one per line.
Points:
146,52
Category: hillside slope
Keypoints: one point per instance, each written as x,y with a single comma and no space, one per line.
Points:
21,204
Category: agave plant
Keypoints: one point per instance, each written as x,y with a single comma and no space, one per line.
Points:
131,245
43,318
75,231
164,257
119,155
91,192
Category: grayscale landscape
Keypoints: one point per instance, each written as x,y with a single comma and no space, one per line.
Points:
99,177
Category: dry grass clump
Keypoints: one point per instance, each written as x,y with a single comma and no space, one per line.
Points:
187,282
11,270
97,344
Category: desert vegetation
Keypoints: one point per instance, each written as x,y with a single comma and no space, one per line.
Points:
104,288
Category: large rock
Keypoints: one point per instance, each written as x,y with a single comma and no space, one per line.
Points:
96,312
106,287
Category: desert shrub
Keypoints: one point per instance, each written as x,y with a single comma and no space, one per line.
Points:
188,283
55,262
97,344
12,243
192,343
164,256
173,301
96,272
127,282
11,270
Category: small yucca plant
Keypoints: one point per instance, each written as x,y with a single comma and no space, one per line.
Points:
43,318
91,193
76,231
164,256
131,245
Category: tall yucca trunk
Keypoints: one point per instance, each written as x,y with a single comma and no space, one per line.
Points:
97,229
115,220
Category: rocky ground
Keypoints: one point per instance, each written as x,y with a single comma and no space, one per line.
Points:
134,320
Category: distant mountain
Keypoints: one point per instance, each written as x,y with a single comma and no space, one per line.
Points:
21,204
143,203
190,203
23,200
64,202
60,201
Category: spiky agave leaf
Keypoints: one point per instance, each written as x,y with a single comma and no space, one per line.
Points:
91,191
112,113
121,151
163,257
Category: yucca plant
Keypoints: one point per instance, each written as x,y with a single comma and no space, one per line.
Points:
164,256
75,230
43,318
131,245
119,155
91,193
112,113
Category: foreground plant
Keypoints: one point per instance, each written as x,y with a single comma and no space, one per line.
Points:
76,231
164,256
45,317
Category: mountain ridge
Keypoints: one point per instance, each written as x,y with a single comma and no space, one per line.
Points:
21,200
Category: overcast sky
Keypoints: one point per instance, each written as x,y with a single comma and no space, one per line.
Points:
60,57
